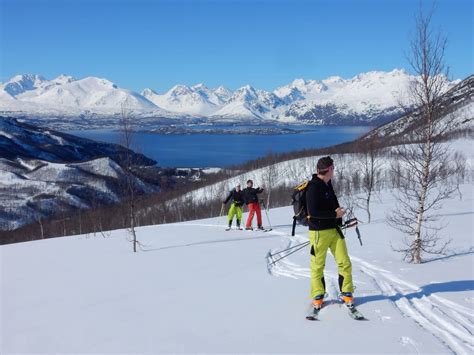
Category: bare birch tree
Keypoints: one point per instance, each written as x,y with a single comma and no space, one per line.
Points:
370,166
127,131
269,176
427,166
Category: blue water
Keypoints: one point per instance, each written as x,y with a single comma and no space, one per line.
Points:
213,150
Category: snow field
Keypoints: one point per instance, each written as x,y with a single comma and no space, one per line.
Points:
196,288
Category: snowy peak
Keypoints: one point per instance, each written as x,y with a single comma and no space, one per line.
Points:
21,83
368,98
245,93
196,100
147,93
333,80
63,79
223,92
299,89
66,95
248,102
182,99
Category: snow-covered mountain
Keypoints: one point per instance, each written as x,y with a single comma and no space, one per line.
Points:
64,95
247,102
368,98
44,171
196,100
457,116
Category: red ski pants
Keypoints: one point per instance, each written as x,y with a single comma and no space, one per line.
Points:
254,207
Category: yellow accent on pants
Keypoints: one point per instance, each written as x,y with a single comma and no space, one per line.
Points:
320,242
234,210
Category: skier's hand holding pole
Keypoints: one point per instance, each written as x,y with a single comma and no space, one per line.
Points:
340,212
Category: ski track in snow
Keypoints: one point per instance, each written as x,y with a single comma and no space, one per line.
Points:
449,322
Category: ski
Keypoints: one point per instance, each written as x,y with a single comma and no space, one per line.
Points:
354,312
313,315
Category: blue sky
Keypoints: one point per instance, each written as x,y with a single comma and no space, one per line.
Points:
158,44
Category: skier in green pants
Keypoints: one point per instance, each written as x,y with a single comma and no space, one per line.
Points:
237,198
324,220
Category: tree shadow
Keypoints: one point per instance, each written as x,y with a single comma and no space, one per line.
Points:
444,257
427,290
230,240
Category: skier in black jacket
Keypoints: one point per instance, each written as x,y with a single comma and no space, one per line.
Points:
324,220
251,200
237,197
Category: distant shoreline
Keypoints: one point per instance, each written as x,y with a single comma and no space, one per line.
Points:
183,130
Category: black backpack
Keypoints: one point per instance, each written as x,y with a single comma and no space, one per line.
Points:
298,200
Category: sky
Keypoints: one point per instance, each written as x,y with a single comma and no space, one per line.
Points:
264,43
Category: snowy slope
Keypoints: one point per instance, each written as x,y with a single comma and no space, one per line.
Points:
43,172
293,172
32,189
199,289
457,116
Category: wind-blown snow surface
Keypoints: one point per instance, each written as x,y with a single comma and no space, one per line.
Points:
200,289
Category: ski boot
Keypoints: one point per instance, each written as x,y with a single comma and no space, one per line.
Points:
260,228
318,302
229,227
347,298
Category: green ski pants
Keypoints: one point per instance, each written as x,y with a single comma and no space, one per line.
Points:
234,210
320,242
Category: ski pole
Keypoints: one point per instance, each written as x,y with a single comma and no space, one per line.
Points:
358,235
284,256
294,246
350,223
353,222
222,210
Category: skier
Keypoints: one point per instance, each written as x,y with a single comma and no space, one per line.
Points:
251,200
324,221
237,197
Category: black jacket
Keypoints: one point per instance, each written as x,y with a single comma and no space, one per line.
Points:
236,196
321,203
250,194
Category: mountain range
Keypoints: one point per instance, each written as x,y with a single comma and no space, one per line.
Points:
368,98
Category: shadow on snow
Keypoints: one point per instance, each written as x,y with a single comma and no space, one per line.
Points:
427,290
